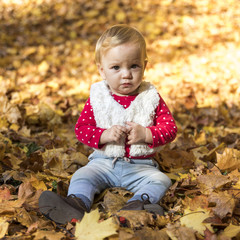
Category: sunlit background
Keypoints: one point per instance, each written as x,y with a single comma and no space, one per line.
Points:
47,51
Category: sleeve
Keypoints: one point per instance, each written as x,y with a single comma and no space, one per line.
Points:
164,129
86,129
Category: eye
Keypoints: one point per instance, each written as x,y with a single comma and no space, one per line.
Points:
135,66
115,67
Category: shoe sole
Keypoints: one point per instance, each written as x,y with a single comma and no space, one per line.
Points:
55,208
154,208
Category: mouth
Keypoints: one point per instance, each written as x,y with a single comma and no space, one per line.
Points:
126,84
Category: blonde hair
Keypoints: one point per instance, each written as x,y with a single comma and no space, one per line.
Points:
117,35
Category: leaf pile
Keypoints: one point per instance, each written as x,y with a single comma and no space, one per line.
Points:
46,69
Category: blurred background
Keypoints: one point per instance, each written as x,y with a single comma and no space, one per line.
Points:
47,56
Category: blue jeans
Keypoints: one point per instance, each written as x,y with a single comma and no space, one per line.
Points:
138,176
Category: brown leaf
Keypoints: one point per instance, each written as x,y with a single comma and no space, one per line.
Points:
196,202
151,234
5,194
209,235
113,202
24,217
9,208
2,151
229,159
225,203
176,231
49,235
209,183
34,162
28,194
140,218
173,159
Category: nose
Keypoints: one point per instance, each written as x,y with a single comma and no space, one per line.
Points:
127,74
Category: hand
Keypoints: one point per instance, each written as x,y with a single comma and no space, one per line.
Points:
138,134
113,134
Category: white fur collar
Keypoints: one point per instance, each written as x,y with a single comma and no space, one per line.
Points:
108,112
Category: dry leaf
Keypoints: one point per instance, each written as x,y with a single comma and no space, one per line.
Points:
113,202
225,203
178,232
231,231
196,202
48,235
172,159
194,220
229,159
150,234
210,183
3,227
91,228
140,218
5,194
24,217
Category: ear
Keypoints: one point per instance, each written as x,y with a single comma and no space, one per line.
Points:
101,71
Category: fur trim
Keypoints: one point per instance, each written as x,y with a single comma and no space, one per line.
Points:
108,112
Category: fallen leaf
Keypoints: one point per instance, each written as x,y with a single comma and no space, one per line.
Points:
150,234
231,231
196,202
225,203
229,159
172,159
24,217
3,227
5,194
178,232
209,183
2,151
91,228
113,202
29,195
48,235
140,218
194,220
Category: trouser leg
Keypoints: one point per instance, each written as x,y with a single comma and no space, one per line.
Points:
92,179
145,179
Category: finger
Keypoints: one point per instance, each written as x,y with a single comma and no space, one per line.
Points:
130,142
130,137
124,129
121,133
130,123
121,129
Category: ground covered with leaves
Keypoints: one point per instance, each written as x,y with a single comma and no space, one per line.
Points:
46,69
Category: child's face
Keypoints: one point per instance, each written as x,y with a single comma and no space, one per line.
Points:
123,68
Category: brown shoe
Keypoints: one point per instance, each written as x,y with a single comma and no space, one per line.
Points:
61,209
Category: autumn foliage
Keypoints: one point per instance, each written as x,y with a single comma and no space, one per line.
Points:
46,69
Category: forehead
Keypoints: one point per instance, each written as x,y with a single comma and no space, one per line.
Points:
124,51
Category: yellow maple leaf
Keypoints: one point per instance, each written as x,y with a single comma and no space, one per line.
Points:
3,227
91,228
231,231
194,219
